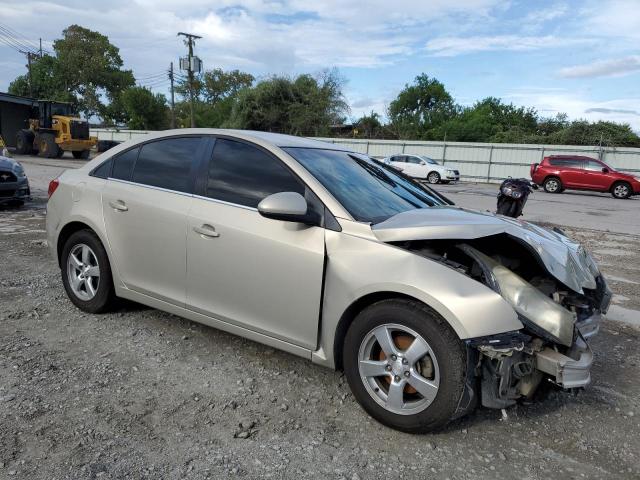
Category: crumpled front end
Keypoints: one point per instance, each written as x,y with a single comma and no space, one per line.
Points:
553,345
558,318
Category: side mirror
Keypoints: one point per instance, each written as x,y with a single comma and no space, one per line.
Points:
286,206
605,170
422,162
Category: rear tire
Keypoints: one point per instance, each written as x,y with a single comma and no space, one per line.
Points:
621,190
552,185
433,178
83,154
24,142
47,146
387,393
89,289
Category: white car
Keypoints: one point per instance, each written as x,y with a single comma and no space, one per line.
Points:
421,167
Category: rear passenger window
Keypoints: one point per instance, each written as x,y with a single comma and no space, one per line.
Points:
167,163
123,164
103,170
566,162
244,174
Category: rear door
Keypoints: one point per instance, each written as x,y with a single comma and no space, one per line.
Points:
145,205
571,171
399,162
258,273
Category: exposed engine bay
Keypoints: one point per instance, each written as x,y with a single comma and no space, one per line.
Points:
557,319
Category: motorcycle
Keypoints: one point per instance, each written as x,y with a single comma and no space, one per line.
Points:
513,195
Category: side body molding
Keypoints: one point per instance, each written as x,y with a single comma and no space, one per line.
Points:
359,266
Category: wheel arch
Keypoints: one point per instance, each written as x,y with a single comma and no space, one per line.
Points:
357,306
75,226
617,182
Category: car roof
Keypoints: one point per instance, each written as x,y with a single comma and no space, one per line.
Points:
577,157
275,139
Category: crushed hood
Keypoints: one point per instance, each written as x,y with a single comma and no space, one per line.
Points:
565,259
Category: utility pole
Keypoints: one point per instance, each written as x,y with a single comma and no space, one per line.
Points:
192,64
40,48
29,55
173,106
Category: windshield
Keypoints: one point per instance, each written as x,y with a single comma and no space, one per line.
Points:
369,190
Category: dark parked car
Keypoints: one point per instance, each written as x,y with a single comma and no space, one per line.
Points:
557,173
14,186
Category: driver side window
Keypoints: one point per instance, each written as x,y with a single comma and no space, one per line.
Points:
243,174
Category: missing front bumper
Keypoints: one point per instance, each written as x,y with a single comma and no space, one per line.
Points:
572,370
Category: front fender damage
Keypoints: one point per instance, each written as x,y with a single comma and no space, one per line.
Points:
511,366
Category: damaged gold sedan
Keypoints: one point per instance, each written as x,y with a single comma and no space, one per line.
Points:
429,308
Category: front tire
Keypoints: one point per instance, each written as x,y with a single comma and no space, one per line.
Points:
433,178
621,190
405,365
86,273
47,146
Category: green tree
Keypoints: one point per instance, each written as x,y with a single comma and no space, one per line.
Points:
145,110
306,105
421,107
46,81
489,120
90,68
86,70
214,94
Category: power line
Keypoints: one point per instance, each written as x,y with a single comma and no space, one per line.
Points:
21,38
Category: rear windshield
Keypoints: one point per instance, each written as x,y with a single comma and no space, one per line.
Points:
369,190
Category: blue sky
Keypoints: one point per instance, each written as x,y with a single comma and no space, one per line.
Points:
578,57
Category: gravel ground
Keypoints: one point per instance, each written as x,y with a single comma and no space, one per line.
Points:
143,394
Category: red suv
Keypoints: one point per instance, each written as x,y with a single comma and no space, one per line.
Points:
560,172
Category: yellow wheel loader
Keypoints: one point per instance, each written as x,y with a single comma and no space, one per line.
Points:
55,131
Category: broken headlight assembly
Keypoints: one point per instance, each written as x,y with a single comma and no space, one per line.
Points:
537,311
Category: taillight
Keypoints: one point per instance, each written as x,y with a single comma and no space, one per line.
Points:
53,185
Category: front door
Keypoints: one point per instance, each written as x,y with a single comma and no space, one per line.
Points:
145,204
262,274
595,178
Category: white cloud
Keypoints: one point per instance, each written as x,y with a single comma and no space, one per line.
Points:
612,18
603,68
578,105
452,46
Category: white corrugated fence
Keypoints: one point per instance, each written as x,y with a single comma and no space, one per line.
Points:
480,162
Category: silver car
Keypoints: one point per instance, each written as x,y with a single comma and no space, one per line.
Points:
429,308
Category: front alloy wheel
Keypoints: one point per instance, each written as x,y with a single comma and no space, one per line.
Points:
405,365
433,177
621,190
398,369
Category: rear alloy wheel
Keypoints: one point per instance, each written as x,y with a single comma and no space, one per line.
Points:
405,366
621,190
552,185
433,178
86,273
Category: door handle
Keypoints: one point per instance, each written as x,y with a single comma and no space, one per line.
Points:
206,231
119,206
